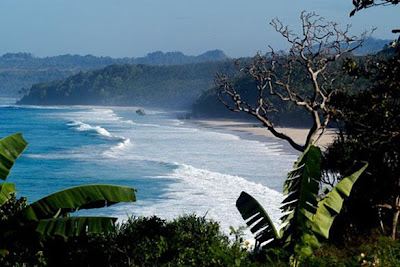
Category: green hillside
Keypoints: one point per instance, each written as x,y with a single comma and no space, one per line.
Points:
142,85
19,71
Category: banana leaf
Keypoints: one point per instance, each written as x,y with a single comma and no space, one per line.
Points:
76,198
331,205
257,219
75,226
6,191
301,189
11,148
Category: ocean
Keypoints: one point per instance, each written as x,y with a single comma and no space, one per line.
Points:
177,168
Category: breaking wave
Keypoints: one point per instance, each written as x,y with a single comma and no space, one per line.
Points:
96,130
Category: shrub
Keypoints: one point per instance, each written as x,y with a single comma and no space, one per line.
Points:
188,240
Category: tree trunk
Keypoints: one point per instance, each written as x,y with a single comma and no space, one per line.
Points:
395,217
396,213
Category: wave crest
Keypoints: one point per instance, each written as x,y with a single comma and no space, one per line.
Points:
97,130
115,151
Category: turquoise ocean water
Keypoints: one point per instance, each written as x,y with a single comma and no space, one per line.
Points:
176,168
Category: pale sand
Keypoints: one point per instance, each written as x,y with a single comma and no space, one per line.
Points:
261,133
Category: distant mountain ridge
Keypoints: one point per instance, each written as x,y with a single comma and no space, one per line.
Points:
28,61
372,46
19,71
178,58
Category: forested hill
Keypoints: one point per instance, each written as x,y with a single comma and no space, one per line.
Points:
175,86
22,70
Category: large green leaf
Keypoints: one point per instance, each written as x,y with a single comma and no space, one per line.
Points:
6,191
75,226
331,205
301,189
256,218
10,148
81,197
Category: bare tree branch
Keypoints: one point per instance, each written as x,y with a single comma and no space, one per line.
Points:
311,53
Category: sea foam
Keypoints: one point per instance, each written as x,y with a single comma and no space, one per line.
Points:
205,193
119,149
98,130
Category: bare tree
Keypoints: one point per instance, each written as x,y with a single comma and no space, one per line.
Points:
312,53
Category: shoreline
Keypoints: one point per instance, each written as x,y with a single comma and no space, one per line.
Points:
250,130
255,131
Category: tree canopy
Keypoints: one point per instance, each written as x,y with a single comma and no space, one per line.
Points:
371,133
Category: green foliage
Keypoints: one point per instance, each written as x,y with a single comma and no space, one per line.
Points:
6,191
80,197
371,132
185,241
74,226
49,212
257,219
369,249
301,189
11,147
331,204
307,215
12,207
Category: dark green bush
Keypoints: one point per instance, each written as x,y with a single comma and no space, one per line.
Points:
188,240
370,249
19,246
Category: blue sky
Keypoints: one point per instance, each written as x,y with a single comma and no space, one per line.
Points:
132,28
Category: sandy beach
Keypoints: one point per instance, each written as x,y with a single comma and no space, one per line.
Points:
254,130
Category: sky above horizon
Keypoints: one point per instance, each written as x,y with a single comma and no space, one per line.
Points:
128,28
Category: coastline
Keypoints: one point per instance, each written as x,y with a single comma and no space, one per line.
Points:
250,130
255,131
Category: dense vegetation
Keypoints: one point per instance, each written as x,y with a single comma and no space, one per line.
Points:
142,85
371,132
185,241
19,71
308,211
188,240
